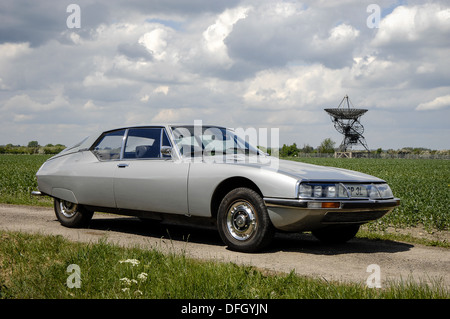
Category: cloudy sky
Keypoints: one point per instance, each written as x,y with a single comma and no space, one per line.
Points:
239,63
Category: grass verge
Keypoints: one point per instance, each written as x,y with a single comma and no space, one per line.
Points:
35,266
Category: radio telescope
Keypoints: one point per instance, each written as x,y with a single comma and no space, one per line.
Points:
346,122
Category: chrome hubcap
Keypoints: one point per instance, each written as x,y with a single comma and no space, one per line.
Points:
241,220
68,209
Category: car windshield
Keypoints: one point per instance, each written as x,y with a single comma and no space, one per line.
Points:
210,141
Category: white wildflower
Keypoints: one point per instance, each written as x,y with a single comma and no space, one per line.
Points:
126,281
133,262
142,276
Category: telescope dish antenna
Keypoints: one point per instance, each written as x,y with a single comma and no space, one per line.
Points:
346,121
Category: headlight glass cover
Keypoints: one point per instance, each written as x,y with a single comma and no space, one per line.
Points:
344,190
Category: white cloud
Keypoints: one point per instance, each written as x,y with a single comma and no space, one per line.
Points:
156,42
301,87
427,23
164,89
173,115
438,103
25,103
216,33
13,50
90,106
343,34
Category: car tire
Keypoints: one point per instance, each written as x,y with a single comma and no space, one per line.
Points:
72,215
243,222
336,234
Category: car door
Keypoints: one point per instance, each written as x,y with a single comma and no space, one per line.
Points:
146,179
93,179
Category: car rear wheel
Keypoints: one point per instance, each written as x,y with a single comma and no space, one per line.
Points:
70,214
336,234
243,222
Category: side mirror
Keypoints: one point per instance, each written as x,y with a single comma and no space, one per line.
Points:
166,150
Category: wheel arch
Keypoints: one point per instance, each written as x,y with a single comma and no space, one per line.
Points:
226,186
64,194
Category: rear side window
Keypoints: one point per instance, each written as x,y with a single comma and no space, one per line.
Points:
109,146
145,143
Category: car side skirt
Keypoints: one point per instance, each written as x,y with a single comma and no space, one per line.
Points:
157,216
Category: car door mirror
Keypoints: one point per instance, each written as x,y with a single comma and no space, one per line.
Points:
166,150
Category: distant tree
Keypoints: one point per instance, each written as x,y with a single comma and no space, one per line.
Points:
33,144
327,146
307,149
290,150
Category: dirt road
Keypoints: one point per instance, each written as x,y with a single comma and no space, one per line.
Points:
299,252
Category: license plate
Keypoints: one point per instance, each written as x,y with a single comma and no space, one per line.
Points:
357,190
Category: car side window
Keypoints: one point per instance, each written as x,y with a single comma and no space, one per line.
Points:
145,143
109,146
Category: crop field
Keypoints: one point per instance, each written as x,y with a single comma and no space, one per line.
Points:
423,185
17,179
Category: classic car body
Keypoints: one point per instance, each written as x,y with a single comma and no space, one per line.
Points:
211,173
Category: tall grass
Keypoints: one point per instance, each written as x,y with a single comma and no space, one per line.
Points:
35,266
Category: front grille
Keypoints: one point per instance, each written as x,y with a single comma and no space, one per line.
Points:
352,217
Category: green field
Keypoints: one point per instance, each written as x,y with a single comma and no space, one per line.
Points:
423,185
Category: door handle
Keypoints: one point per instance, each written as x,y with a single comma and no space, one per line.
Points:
122,165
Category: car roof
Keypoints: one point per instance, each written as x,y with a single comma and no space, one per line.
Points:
89,140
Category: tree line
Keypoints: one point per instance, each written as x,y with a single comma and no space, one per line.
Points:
328,146
33,147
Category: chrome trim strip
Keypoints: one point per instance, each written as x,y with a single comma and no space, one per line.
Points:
345,203
171,137
273,202
297,189
124,140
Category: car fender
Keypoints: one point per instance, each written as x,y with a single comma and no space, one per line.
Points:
201,187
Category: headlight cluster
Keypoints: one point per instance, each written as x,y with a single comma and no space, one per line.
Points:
344,190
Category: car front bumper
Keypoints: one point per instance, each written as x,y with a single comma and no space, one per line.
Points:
304,215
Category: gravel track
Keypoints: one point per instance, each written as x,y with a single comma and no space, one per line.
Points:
298,252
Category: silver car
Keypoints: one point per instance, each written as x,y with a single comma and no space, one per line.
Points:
209,173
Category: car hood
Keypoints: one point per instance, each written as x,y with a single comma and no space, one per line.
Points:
310,172
304,171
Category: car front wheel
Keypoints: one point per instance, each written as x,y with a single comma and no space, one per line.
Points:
70,214
243,222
